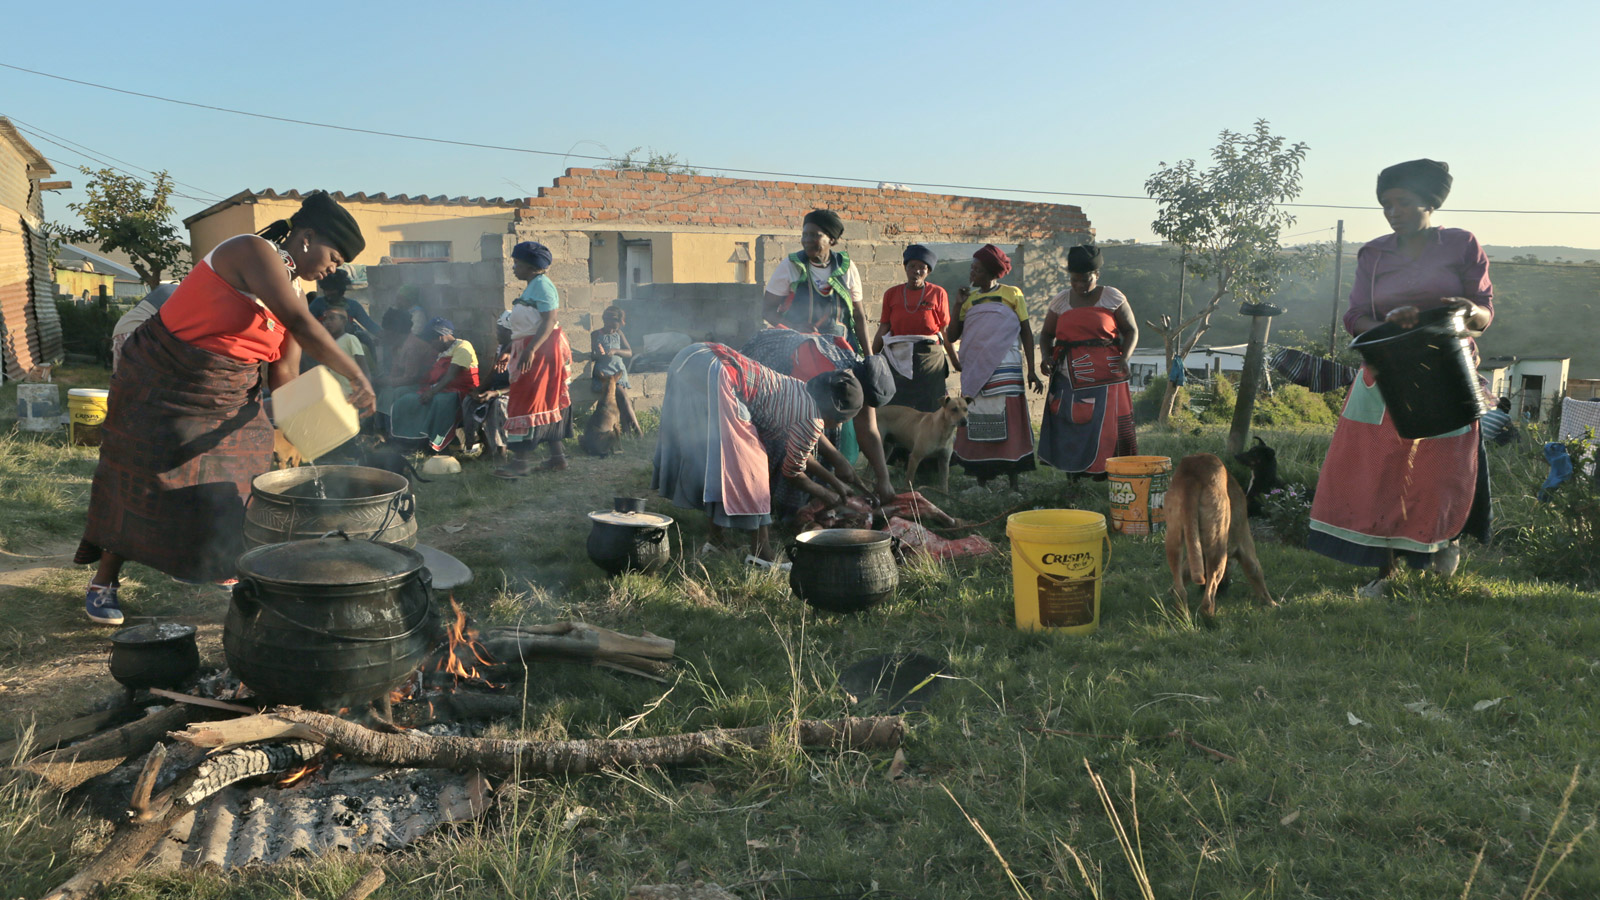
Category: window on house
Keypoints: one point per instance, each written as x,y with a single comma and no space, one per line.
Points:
419,251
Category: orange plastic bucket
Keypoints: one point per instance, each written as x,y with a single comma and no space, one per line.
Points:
1138,486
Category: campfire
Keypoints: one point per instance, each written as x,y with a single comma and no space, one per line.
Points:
239,785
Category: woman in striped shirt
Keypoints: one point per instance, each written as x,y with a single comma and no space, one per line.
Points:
730,426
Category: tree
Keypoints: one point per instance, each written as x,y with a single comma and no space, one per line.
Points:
120,215
1227,221
652,161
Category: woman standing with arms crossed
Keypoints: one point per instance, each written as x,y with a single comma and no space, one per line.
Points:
996,338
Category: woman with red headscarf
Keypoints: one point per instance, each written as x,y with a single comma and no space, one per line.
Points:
996,339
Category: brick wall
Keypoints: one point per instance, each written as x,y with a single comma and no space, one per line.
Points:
592,197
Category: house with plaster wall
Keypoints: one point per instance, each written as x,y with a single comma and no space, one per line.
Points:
1535,384
30,330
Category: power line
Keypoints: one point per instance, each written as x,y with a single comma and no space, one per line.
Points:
93,158
785,175
36,131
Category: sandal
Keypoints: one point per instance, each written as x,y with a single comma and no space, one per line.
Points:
553,465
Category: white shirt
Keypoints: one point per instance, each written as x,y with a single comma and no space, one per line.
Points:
783,278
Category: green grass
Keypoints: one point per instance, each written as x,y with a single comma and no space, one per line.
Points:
1398,806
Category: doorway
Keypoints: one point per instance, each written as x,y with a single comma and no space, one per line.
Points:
636,268
1532,395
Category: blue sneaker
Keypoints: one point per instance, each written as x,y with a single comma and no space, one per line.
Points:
101,605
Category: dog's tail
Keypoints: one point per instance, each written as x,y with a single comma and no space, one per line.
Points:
1191,529
411,469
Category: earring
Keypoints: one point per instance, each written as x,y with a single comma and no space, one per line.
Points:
305,245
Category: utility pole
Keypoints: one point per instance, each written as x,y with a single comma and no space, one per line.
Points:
1338,273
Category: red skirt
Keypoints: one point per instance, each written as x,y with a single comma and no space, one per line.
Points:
539,396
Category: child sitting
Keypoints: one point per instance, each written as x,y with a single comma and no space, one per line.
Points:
611,354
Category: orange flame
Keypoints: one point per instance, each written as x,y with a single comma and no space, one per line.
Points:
297,775
463,654
406,690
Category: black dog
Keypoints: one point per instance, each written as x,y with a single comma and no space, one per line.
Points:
1262,461
381,455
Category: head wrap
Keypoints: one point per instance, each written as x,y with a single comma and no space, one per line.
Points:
320,213
338,282
917,251
994,259
1083,258
1427,178
441,326
827,221
397,319
534,253
877,380
504,321
837,394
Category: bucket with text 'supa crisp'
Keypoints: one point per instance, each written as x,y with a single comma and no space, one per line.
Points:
1057,559
87,412
1138,487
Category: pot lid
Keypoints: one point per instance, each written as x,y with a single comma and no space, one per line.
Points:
329,561
153,633
630,519
842,537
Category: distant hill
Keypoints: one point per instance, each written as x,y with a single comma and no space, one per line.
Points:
1546,254
1541,310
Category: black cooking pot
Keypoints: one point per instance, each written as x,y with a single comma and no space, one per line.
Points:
1425,373
147,656
844,570
629,541
329,623
301,503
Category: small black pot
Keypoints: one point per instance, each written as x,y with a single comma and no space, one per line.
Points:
629,542
147,656
844,570
627,504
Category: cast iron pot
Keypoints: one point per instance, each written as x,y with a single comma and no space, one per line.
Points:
329,623
844,570
147,656
363,502
629,541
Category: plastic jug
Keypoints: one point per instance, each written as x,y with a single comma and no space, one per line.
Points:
313,414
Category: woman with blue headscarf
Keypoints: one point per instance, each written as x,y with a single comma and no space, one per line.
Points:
539,410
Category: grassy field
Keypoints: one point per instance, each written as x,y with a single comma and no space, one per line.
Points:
1416,746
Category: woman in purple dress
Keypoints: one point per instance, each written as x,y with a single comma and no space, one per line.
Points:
1382,498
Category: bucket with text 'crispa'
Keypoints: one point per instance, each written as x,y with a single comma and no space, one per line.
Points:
1057,559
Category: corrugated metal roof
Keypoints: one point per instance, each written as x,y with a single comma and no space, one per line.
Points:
250,196
15,276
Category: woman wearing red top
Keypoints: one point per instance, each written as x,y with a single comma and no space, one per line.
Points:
911,334
186,432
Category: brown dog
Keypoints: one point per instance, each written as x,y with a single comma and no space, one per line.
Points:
925,433
602,435
1206,521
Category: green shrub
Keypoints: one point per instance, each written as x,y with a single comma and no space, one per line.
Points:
1334,400
86,328
1560,541
1291,404
1221,397
1147,404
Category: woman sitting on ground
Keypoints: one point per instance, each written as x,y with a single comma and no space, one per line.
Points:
609,347
911,334
731,427
1382,498
1088,336
186,430
432,409
539,410
996,338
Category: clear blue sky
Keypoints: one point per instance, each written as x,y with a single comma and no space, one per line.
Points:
1042,95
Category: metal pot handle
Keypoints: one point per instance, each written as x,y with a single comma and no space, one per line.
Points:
246,597
412,628
898,548
339,531
654,535
792,549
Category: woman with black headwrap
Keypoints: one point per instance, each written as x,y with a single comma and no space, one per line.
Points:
1089,333
996,341
911,333
817,290
731,428
1382,498
187,430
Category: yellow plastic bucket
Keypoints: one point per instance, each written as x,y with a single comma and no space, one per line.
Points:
86,411
1056,564
1138,487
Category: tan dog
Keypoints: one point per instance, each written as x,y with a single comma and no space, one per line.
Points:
602,436
1206,521
925,433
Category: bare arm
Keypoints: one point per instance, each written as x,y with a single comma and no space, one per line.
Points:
1047,339
254,267
1027,353
770,304
1127,329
